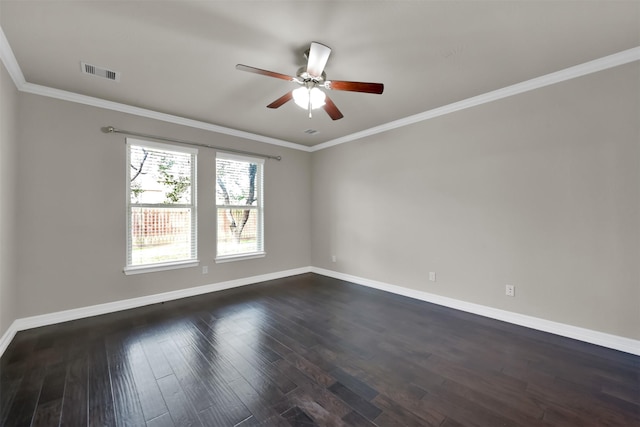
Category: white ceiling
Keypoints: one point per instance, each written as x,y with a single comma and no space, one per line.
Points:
179,57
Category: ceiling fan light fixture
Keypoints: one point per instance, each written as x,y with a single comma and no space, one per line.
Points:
302,94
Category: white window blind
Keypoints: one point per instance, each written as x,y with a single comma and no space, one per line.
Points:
161,204
239,205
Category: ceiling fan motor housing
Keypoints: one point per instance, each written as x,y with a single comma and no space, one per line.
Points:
302,74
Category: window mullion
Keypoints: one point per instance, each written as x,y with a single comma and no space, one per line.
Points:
237,207
161,205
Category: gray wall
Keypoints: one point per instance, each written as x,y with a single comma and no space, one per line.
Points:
8,237
540,190
71,182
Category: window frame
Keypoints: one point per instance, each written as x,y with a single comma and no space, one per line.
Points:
259,207
193,261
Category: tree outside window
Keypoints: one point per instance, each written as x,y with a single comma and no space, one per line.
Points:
161,207
239,206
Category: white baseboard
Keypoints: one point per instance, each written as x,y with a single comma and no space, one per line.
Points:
594,337
6,338
587,335
111,307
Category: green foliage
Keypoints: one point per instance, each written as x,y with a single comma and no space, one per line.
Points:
136,190
178,185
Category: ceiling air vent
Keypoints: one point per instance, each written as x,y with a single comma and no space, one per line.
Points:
310,131
105,73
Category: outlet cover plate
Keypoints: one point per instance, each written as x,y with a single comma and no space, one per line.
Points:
510,290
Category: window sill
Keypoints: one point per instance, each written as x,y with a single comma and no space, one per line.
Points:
240,257
152,268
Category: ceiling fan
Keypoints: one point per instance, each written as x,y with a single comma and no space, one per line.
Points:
311,78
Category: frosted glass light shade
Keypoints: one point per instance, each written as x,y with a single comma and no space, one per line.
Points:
301,97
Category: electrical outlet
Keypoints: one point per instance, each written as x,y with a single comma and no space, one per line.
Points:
510,291
334,258
432,276
205,270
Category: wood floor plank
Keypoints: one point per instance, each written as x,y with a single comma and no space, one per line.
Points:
182,412
48,414
11,376
310,370
159,364
395,414
259,405
217,416
361,405
310,350
628,392
226,405
26,399
8,390
163,420
126,403
49,406
149,395
468,413
315,412
298,418
195,390
252,364
308,387
521,415
359,387
354,419
100,405
76,394
381,378
450,422
587,404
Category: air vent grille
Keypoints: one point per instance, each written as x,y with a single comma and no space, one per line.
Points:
310,131
102,72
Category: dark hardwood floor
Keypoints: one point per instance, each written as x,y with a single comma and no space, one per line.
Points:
306,351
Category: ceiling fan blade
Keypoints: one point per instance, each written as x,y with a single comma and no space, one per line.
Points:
318,56
267,73
331,109
281,101
355,86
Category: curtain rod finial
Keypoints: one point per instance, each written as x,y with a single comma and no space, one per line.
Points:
108,129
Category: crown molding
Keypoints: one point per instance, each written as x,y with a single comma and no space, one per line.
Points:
10,62
600,64
143,112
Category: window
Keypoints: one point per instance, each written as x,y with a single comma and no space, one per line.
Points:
161,206
239,207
